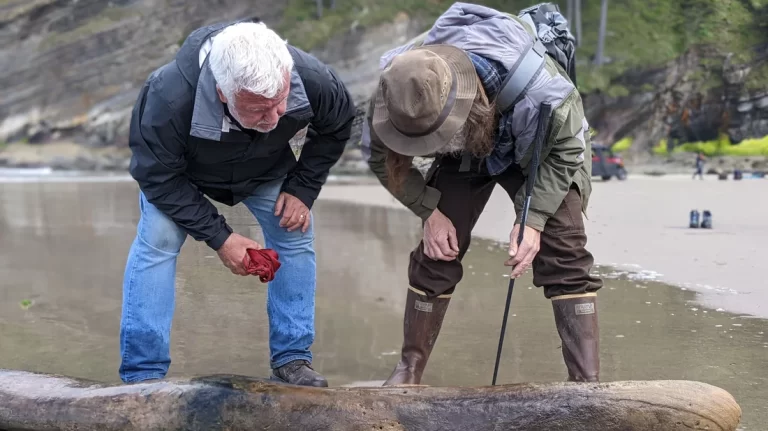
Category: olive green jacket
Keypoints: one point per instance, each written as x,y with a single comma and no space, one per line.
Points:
566,160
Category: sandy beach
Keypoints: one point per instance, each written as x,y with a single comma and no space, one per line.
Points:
641,226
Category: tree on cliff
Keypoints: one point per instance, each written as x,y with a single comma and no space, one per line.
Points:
599,53
320,7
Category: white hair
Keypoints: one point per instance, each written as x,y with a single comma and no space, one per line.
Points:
250,56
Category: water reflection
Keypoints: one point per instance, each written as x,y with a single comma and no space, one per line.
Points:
64,246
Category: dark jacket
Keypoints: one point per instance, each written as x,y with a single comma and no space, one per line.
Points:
184,147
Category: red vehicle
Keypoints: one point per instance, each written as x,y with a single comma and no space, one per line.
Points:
606,164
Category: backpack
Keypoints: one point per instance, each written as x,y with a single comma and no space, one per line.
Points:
551,36
553,31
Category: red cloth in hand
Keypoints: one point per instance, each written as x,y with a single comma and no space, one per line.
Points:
263,263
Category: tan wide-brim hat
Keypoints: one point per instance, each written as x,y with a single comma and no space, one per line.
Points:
424,97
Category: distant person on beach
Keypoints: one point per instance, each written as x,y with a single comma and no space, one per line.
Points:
439,100
228,120
699,166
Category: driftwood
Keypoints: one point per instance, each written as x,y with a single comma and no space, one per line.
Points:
32,401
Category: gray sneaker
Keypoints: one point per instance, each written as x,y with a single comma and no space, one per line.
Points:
299,372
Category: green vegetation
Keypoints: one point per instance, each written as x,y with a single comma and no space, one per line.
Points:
758,77
641,33
622,145
720,147
301,27
25,304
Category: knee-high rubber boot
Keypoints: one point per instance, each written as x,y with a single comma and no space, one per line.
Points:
422,321
576,321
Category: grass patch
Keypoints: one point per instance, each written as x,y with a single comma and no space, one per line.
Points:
25,304
661,148
723,147
622,145
720,147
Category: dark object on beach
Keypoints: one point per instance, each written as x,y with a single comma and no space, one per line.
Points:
606,164
706,220
722,176
737,174
693,220
34,401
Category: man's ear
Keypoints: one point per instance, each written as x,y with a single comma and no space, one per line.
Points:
221,95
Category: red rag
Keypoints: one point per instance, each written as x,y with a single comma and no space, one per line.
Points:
263,263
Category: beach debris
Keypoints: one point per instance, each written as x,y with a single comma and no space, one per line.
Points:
244,403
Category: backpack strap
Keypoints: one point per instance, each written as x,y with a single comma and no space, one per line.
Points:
521,75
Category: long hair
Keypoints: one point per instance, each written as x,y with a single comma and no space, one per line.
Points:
478,133
480,126
397,169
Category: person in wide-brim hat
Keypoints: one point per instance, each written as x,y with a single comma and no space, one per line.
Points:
424,98
438,100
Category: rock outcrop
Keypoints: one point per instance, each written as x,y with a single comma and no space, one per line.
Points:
70,69
698,97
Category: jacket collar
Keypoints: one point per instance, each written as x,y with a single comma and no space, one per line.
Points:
208,118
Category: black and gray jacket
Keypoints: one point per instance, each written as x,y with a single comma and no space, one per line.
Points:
184,146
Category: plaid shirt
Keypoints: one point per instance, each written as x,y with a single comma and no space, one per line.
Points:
492,75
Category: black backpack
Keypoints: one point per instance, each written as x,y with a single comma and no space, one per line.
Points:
553,39
553,31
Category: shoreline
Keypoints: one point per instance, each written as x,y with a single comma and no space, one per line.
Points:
623,233
721,265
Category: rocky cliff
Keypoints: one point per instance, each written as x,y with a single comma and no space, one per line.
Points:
71,68
700,96
74,68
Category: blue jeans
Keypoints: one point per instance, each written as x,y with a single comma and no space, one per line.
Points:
149,287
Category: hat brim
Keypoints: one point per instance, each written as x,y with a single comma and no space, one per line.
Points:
466,81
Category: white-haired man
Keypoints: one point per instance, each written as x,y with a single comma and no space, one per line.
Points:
228,118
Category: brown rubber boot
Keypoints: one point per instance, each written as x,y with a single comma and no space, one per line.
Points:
421,326
576,321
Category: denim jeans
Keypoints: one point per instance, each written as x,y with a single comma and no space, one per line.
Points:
149,287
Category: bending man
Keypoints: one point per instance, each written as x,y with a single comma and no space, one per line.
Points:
439,100
227,120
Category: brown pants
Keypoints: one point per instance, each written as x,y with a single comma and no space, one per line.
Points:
562,265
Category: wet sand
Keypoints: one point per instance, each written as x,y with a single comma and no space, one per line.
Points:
641,225
64,250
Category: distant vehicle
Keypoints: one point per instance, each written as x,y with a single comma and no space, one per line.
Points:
606,164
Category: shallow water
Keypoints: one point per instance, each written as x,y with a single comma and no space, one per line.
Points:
61,264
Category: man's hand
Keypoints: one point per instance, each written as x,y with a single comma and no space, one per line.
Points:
521,258
295,213
232,252
440,241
